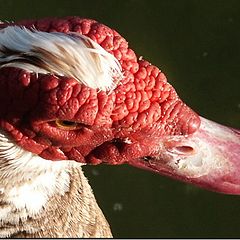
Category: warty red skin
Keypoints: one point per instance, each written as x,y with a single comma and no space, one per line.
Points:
143,108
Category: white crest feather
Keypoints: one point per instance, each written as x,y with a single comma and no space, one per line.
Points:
70,55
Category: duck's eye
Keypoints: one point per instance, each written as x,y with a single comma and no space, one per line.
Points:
68,125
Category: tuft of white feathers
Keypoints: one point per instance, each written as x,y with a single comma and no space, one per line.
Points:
64,54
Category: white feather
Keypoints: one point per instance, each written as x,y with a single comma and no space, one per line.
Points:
70,55
27,181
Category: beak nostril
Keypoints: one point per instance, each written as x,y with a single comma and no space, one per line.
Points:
182,150
185,149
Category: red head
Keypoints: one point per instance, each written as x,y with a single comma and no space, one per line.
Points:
132,115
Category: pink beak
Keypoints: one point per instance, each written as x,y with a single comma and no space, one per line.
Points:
209,158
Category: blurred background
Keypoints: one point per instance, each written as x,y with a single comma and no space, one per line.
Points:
196,43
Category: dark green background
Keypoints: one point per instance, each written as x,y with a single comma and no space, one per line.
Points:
197,44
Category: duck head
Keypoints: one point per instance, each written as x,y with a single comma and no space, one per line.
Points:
72,89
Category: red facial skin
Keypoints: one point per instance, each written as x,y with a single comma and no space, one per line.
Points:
143,108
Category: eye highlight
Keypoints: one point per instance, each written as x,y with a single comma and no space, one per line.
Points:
67,125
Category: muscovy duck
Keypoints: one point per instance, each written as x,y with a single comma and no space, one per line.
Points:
74,93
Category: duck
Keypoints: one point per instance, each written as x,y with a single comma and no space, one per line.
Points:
74,93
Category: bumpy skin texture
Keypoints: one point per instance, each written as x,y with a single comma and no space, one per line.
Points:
143,108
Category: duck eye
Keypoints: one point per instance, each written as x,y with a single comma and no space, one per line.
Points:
68,125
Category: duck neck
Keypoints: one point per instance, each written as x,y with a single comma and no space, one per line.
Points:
41,198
